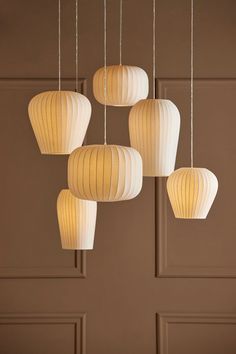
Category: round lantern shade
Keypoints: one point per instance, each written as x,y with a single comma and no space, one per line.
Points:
59,120
125,85
192,192
154,126
77,220
105,173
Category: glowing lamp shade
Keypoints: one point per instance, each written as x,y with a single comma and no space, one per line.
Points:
77,220
125,85
59,120
105,173
191,192
154,126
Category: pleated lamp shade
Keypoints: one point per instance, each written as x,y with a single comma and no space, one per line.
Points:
59,120
191,192
125,85
105,173
154,126
77,220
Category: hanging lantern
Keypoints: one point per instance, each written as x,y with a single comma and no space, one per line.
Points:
154,126
105,173
192,192
77,220
126,85
59,120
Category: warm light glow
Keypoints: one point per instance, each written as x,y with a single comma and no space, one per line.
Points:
192,192
125,85
59,120
154,126
77,220
105,173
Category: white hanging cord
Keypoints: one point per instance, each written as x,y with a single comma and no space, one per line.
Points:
121,23
191,98
59,45
105,72
76,48
154,50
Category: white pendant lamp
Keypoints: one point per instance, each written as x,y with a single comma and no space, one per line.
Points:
126,84
60,118
192,190
77,220
154,126
105,173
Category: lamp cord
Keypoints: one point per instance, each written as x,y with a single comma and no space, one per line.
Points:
105,72
76,48
154,50
59,45
191,84
121,24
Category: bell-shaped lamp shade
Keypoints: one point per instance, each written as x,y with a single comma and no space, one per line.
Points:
105,173
154,126
191,192
59,120
77,220
125,85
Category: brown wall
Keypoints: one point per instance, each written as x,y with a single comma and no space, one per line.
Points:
152,283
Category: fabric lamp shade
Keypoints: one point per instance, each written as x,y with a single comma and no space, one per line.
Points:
105,173
191,192
125,85
154,126
59,120
77,221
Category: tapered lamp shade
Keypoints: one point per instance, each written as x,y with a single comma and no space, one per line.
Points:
125,85
105,173
77,220
191,192
154,126
59,120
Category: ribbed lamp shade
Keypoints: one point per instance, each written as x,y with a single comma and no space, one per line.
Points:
59,120
154,126
105,173
125,85
192,192
77,220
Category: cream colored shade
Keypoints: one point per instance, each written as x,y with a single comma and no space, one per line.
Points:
77,221
191,192
125,85
105,173
59,120
154,126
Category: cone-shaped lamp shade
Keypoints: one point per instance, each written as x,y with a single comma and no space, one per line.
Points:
192,191
154,131
125,85
77,220
59,120
105,173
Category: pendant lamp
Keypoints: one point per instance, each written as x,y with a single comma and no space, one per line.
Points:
192,190
77,220
154,126
105,173
60,118
126,84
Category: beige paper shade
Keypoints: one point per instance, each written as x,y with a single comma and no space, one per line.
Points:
105,173
125,85
154,126
77,220
191,192
59,120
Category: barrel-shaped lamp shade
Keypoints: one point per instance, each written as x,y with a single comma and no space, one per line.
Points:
59,120
125,85
105,173
154,126
191,192
77,220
